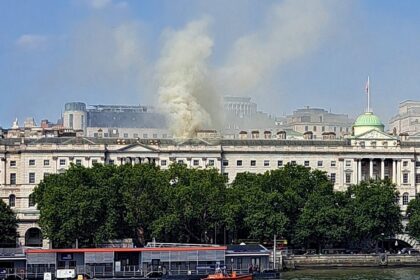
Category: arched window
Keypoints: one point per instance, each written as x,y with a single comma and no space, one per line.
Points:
12,200
31,200
405,199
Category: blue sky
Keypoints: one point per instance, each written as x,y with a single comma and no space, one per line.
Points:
105,52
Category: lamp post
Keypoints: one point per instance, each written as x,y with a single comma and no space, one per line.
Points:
382,235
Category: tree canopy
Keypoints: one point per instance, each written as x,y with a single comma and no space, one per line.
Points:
180,204
8,226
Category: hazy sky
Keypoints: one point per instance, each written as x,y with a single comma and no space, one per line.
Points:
285,55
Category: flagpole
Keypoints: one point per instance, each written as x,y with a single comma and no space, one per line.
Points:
368,95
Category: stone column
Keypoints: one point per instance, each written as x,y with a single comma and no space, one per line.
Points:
371,168
3,171
382,168
359,170
398,172
394,173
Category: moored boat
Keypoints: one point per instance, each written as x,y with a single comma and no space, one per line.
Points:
226,276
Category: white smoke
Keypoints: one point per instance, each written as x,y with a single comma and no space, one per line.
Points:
185,91
291,29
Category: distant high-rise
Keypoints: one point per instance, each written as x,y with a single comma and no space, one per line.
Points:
116,121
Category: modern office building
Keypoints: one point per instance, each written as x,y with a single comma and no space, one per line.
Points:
115,121
368,153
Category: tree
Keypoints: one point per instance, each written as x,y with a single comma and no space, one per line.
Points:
323,220
8,226
82,204
413,214
194,204
375,211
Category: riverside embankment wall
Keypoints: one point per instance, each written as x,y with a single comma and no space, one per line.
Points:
359,260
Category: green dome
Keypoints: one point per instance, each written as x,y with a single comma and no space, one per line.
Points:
366,122
368,119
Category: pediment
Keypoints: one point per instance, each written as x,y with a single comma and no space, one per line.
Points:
137,148
375,135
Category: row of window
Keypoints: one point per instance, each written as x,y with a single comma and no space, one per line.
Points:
62,162
12,200
314,128
126,135
266,163
31,177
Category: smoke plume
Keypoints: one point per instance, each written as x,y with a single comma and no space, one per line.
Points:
185,90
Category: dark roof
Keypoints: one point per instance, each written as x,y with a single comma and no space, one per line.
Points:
249,248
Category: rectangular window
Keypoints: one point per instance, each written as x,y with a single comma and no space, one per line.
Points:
306,128
62,162
319,164
239,163
31,178
417,163
71,120
46,174
323,128
293,162
196,162
333,163
348,163
226,175
78,162
136,135
145,136
253,163
211,162
13,178
32,162
225,162
164,135
94,161
405,178
306,163
46,162
163,162
155,135
332,178
279,163
12,163
125,135
266,162
111,161
314,127
405,163
417,178
180,161
348,178
106,134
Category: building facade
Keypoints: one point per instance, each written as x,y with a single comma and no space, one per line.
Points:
369,153
115,121
317,121
407,121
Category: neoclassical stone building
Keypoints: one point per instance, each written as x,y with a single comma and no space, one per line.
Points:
368,153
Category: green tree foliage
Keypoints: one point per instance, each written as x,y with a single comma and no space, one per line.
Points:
413,214
194,204
375,211
8,226
180,204
83,204
323,219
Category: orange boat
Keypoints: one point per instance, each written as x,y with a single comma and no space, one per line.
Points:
225,276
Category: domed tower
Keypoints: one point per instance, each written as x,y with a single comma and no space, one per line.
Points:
366,122
75,115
